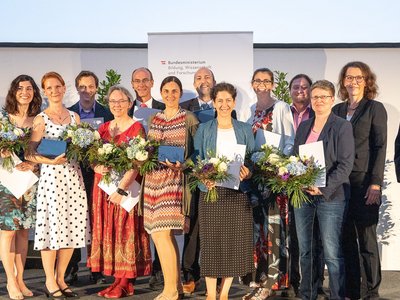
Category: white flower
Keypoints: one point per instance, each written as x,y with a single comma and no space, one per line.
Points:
293,159
70,133
214,160
96,135
142,142
108,148
100,151
141,155
222,167
18,132
282,171
273,158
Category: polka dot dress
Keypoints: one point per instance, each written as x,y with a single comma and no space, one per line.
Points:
61,213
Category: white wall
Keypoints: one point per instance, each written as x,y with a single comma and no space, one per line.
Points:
318,63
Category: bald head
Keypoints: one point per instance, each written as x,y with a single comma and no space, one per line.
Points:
203,82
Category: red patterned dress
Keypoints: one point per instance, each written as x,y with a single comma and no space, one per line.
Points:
163,187
120,245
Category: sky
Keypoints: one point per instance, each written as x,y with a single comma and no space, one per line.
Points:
129,21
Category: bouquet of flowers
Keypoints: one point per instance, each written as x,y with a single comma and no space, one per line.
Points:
288,175
213,169
112,156
79,139
12,140
144,154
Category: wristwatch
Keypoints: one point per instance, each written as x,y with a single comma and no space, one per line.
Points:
122,192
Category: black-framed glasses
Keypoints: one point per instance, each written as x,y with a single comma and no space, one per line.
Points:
322,97
259,81
350,78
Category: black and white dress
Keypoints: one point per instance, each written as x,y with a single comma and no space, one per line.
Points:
61,213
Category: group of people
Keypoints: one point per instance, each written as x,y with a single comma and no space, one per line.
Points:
252,234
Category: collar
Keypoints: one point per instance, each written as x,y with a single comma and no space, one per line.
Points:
93,109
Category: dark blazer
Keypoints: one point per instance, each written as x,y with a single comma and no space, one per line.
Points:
193,105
370,136
338,141
397,155
99,111
154,104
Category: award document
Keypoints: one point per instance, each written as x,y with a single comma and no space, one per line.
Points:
316,150
236,153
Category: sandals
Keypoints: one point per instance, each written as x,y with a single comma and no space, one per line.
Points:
164,297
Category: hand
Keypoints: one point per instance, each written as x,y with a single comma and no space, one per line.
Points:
115,198
100,169
245,173
313,191
59,160
25,166
176,167
5,153
373,195
209,184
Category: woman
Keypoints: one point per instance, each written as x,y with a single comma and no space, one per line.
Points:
61,199
167,205
271,220
17,216
226,248
120,246
327,204
357,88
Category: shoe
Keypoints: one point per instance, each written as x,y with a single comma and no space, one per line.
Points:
190,287
164,297
116,293
71,278
70,293
51,295
97,278
18,296
156,281
105,291
258,294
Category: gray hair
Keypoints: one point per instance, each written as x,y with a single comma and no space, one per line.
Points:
123,90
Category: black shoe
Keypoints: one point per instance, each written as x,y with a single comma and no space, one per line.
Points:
51,296
97,278
156,281
71,278
70,293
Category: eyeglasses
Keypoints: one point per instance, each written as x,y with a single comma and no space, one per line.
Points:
144,81
115,102
259,81
350,78
323,97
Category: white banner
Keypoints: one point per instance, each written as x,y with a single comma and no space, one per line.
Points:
228,54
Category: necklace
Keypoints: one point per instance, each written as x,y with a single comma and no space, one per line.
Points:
173,116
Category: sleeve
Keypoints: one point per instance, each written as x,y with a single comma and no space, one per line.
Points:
378,142
343,165
198,143
286,128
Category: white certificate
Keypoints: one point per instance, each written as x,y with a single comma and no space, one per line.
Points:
127,202
267,137
315,150
236,153
17,182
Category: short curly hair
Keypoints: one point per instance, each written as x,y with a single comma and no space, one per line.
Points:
223,87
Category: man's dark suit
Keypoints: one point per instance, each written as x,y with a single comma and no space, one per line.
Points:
88,178
154,104
193,105
370,135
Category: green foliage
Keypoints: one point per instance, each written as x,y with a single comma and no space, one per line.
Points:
281,90
112,78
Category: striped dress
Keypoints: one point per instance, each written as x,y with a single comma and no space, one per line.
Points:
163,187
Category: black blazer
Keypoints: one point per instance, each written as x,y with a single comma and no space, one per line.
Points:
397,155
154,104
99,111
193,105
370,137
338,141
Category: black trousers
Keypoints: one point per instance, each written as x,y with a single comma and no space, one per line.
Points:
191,246
363,271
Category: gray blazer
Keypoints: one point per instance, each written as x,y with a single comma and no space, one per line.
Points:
338,141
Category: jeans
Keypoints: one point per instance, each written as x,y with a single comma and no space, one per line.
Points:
330,217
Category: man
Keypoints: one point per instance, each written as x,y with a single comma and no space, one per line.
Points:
299,88
142,82
203,82
87,107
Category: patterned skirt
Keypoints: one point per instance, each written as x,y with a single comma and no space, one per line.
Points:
120,245
226,234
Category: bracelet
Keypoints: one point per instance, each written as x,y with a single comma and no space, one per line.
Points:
122,192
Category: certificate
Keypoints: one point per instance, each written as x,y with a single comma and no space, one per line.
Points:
17,182
94,122
267,137
127,202
142,114
236,154
315,150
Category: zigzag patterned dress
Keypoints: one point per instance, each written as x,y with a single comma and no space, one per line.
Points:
163,189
